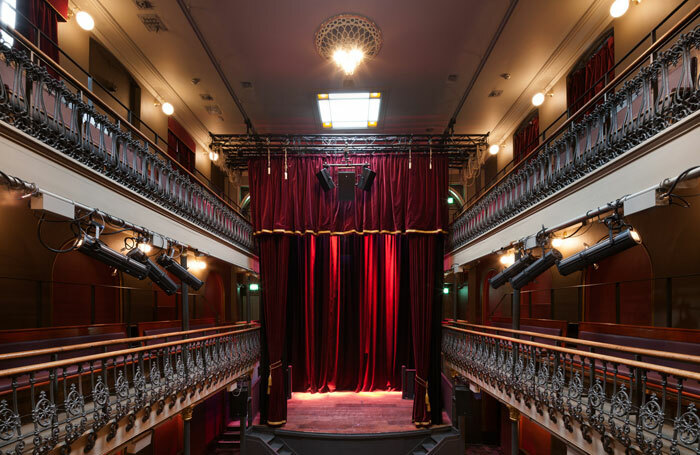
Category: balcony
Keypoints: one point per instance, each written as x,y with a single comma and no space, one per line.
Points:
97,402
657,93
41,99
597,396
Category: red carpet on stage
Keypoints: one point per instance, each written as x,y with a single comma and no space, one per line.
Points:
350,412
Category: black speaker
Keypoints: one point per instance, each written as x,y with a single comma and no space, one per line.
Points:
366,179
461,399
346,186
324,177
408,377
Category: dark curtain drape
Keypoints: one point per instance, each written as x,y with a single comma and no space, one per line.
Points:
353,299
401,200
274,273
349,330
588,79
526,137
44,17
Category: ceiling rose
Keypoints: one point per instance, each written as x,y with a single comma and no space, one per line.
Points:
348,39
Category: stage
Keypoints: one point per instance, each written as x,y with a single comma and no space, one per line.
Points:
349,423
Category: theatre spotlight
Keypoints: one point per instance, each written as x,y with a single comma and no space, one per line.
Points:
155,273
366,179
535,269
518,266
601,250
94,248
171,265
324,177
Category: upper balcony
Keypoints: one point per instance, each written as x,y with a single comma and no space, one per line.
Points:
86,134
634,119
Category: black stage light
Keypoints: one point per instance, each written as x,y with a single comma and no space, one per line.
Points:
518,266
535,269
601,250
172,266
94,248
158,276
324,177
366,179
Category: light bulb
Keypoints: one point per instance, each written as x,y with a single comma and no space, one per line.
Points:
145,247
348,60
635,236
494,149
619,7
507,259
557,242
167,108
85,21
213,156
538,99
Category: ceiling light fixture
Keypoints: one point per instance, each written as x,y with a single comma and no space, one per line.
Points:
349,109
347,40
538,99
494,149
619,8
167,108
85,21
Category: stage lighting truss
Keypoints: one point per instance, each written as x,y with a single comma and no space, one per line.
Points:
239,148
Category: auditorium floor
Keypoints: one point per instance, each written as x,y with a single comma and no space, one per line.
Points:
349,412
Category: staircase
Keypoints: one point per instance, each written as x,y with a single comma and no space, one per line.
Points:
266,442
439,442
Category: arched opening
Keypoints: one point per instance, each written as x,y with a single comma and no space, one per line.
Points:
620,289
84,291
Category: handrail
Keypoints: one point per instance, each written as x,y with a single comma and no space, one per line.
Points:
606,358
91,358
632,350
76,347
592,102
58,68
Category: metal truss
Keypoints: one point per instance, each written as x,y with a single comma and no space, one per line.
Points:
239,148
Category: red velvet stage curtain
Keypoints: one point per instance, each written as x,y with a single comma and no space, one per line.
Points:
400,201
423,255
43,16
526,137
348,329
274,273
346,291
583,83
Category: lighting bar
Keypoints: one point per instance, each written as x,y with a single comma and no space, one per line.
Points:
535,269
172,266
518,266
158,276
601,250
94,248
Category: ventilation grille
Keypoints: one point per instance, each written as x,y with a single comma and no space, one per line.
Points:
153,23
495,93
144,4
213,109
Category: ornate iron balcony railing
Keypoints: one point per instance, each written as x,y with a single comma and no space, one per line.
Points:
52,405
642,407
640,102
67,116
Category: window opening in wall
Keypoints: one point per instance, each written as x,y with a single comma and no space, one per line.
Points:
8,16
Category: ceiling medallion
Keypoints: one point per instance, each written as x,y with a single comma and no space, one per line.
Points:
348,39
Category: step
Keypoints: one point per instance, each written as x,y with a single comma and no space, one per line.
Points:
429,445
419,452
285,451
229,435
263,436
276,444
